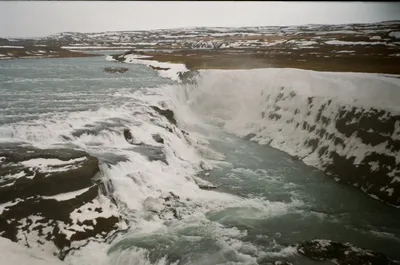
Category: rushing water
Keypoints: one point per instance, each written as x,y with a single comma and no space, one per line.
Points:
265,201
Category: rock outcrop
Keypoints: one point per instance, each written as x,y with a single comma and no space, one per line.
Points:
341,253
49,200
167,113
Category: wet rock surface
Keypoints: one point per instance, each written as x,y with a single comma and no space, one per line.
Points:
48,198
159,68
129,137
158,138
167,113
28,171
115,70
341,253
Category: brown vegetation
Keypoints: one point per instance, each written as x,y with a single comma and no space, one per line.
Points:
373,59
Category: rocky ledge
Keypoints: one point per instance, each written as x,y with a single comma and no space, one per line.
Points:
49,200
341,253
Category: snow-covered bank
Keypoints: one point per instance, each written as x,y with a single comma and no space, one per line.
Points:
345,124
12,253
167,70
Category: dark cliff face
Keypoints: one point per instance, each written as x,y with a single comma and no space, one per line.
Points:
354,144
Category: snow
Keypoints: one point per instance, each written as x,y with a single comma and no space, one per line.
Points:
35,238
123,43
338,42
3,206
345,51
307,43
302,42
94,47
52,164
395,179
67,195
13,47
374,165
83,213
146,43
50,161
12,253
375,38
99,207
395,34
13,176
390,191
171,73
338,32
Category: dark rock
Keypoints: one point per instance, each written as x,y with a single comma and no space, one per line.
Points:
158,68
274,116
249,136
171,197
35,181
97,226
313,143
128,136
169,114
29,196
341,253
115,70
49,208
189,77
279,97
158,138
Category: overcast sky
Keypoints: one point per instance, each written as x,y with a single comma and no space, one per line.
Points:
37,19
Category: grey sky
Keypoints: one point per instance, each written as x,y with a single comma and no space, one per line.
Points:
36,19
